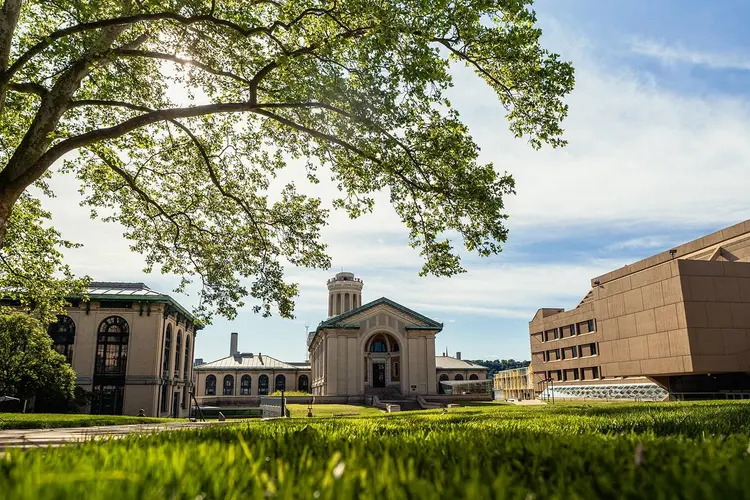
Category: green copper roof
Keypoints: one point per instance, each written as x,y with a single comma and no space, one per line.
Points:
337,321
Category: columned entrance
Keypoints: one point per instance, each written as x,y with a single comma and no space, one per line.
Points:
383,362
378,374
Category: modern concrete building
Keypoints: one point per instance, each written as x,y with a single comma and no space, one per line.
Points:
239,377
515,383
677,323
131,347
378,348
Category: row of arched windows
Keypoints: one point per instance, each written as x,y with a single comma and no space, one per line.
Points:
112,345
167,355
444,377
246,384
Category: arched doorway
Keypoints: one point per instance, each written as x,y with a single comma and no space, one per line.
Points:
383,362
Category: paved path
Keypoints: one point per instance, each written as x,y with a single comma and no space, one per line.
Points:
27,438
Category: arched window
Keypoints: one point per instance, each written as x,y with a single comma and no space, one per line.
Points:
228,385
211,385
474,376
378,344
63,334
167,351
186,363
246,384
458,377
304,383
443,377
263,385
394,345
112,347
280,383
177,352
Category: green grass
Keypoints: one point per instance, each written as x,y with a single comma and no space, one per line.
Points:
300,411
663,450
54,420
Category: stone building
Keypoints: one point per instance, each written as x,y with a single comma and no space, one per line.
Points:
677,323
380,347
515,383
235,379
455,368
131,347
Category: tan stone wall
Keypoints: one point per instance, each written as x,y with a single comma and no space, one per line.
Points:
143,378
292,382
338,356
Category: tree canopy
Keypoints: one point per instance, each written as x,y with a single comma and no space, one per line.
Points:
176,116
28,363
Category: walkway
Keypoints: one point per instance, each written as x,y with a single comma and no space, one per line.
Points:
27,438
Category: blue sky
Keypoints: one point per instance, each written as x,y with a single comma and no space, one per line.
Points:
658,155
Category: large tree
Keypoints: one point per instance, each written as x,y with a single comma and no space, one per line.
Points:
177,114
28,363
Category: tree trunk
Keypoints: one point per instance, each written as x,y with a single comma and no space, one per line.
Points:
8,198
8,20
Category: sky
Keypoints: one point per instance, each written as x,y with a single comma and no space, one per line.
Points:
658,155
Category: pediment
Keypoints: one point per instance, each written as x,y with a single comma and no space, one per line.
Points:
381,306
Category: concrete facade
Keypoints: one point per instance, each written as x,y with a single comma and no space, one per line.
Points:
680,318
117,345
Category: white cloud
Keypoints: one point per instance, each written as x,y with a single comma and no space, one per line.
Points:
671,54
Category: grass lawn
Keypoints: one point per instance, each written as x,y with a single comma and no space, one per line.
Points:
300,411
54,420
644,450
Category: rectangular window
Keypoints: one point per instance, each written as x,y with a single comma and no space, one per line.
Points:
164,402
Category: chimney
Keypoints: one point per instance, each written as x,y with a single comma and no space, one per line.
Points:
233,344
458,354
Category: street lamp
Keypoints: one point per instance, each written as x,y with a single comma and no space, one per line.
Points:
552,382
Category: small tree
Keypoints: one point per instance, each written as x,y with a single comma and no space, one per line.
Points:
27,361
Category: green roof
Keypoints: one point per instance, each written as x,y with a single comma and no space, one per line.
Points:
138,292
336,321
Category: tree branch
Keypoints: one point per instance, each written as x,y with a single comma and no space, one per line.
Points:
180,60
29,88
153,17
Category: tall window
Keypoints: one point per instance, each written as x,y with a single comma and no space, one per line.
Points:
167,351
177,352
263,385
211,385
280,383
228,385
63,334
112,346
246,384
304,383
186,363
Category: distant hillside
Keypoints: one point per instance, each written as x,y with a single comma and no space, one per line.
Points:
500,365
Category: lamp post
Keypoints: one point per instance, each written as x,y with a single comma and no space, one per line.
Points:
552,390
